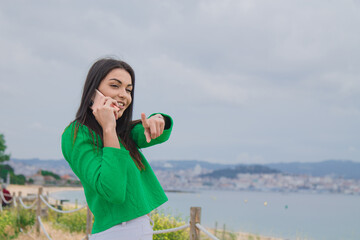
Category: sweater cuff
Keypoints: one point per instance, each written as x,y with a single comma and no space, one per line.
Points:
168,120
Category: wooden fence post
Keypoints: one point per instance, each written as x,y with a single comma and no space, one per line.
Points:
89,219
19,196
195,217
14,198
38,211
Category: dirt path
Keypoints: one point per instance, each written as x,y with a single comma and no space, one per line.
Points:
54,233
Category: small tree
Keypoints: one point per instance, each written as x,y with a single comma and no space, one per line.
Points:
3,157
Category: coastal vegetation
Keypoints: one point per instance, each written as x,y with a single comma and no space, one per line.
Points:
48,173
74,224
71,222
12,220
6,169
162,221
3,156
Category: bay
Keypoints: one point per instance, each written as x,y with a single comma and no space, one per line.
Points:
285,215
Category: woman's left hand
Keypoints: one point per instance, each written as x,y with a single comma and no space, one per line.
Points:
154,126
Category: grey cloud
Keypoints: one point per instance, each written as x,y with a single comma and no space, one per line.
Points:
244,80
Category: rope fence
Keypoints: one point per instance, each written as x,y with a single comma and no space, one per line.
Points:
60,211
43,228
194,224
23,204
206,231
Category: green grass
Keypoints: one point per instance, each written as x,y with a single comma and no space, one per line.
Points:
11,220
72,222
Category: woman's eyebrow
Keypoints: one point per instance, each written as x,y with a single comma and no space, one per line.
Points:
115,79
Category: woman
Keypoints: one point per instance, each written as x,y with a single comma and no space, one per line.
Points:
102,147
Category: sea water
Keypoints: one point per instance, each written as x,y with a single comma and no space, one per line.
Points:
285,215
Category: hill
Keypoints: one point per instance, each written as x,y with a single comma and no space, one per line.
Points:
336,168
174,165
239,169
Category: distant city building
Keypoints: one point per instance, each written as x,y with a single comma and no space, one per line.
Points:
38,179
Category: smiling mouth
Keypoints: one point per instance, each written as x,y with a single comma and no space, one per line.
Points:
121,105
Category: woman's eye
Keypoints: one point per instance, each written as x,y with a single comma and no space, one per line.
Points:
114,86
129,90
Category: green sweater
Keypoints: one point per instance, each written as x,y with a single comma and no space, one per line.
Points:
115,189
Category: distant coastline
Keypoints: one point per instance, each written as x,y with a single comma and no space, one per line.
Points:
180,191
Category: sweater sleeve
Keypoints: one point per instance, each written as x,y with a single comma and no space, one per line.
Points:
104,170
137,133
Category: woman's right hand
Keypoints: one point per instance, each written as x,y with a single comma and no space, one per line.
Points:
105,113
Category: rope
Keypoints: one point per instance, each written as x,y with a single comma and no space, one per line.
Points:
206,231
171,229
21,230
60,211
3,198
88,237
32,197
43,228
27,207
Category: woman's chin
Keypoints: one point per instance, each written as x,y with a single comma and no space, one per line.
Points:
119,115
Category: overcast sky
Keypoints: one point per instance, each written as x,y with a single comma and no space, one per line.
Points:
245,81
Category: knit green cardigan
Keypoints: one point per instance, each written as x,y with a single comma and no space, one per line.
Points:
115,189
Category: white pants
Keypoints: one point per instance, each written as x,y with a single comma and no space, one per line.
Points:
136,229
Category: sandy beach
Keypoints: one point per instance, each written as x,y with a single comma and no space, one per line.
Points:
33,189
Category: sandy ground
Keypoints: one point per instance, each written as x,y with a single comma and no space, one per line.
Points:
241,236
248,236
28,190
33,189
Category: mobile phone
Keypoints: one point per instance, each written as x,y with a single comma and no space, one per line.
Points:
98,100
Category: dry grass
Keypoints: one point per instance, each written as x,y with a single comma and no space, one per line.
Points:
54,233
249,236
238,236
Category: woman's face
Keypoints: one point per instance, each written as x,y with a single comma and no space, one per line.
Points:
118,85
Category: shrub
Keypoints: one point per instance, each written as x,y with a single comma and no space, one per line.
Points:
161,222
7,224
25,218
76,222
11,220
73,222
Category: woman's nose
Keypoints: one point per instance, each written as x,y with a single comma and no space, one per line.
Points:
122,92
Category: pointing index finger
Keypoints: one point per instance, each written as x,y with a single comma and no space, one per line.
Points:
144,120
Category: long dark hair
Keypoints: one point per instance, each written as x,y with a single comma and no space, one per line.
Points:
124,124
